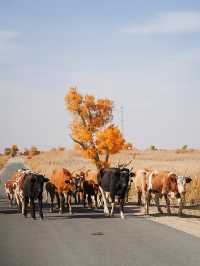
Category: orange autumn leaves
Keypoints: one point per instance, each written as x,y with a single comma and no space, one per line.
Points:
92,127
109,139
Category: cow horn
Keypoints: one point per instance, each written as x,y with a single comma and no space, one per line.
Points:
131,169
127,164
120,165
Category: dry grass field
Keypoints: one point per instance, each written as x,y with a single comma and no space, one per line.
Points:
3,160
182,163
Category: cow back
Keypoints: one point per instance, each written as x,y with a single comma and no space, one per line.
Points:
59,177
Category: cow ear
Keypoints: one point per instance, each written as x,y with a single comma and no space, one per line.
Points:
172,177
188,179
33,179
132,174
45,179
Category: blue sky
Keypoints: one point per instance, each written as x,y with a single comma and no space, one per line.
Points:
144,55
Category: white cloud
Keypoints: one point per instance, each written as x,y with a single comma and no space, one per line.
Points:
8,35
168,23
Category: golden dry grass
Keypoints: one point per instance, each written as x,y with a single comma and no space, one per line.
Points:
3,160
187,163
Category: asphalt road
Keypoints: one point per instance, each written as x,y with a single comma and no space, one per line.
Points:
87,238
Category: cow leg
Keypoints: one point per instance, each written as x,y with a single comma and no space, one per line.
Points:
18,202
80,197
127,195
62,203
11,200
58,200
52,195
167,204
106,210
69,202
95,201
47,196
99,201
112,209
157,201
40,207
181,201
139,198
121,207
74,194
147,202
84,199
19,205
32,207
24,206
112,205
89,200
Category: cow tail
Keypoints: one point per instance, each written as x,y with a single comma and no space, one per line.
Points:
99,176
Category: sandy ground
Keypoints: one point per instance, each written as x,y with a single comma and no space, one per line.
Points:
188,223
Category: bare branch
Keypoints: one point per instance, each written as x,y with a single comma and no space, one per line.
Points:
84,146
126,164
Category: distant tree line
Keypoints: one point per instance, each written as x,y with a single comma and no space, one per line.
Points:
15,151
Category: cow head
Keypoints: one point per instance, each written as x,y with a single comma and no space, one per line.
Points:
70,185
125,175
69,181
38,181
181,182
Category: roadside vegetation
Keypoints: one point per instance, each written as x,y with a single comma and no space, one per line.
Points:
181,163
3,160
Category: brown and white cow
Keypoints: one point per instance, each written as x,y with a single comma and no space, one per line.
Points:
163,184
19,177
182,182
10,187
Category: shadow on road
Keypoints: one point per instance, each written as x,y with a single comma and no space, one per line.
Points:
132,210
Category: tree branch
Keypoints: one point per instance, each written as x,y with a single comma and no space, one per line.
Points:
107,155
79,142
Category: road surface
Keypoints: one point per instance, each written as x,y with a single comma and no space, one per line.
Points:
89,239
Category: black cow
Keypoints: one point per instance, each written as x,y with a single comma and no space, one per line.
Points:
78,193
115,181
90,189
32,190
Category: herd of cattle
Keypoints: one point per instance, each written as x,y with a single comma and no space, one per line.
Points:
109,185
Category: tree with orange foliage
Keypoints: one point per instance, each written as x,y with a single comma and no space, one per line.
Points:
92,128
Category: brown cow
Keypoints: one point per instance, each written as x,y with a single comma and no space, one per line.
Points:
61,186
91,189
140,183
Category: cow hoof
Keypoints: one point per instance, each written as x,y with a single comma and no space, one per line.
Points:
25,215
33,218
122,215
111,215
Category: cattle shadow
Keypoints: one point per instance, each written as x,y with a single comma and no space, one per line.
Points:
88,213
